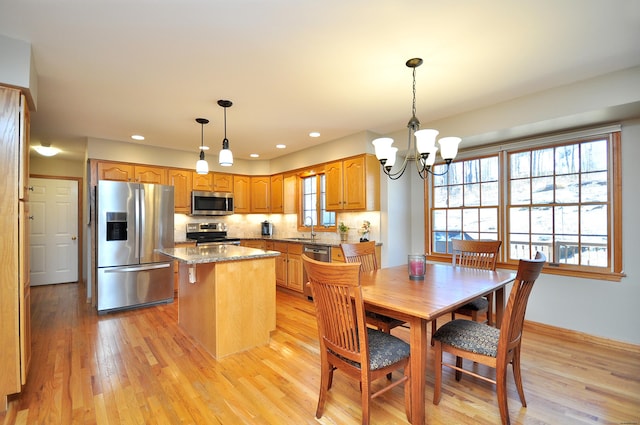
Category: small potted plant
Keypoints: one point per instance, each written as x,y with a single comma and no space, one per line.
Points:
343,229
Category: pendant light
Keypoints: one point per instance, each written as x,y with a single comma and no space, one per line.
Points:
202,167
225,158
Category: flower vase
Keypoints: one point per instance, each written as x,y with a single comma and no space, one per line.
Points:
343,236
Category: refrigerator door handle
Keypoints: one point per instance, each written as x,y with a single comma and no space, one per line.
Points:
136,235
137,268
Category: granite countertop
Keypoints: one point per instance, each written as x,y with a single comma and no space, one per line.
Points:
216,253
305,241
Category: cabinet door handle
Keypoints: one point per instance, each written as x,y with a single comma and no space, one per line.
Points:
30,217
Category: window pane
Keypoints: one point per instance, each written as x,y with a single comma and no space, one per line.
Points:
566,220
455,173
541,220
471,171
455,196
454,220
439,220
567,189
567,159
520,165
489,193
593,252
593,220
470,220
593,156
594,187
519,246
542,162
440,196
519,220
490,170
489,220
520,192
471,195
566,249
542,190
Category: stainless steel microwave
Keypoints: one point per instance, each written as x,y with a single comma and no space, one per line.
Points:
211,203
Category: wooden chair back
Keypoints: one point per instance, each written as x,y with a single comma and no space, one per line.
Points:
339,308
363,253
513,320
475,253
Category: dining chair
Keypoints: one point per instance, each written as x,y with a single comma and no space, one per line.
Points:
365,254
346,343
487,345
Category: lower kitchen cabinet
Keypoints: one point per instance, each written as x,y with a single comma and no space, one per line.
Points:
294,267
253,243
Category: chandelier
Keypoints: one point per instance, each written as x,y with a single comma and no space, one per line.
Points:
421,146
225,157
202,166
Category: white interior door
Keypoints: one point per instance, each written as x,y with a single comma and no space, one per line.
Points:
53,204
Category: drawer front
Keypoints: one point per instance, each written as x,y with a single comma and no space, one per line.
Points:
336,256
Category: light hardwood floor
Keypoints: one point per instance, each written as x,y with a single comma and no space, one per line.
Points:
138,367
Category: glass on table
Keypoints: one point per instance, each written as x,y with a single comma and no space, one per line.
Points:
417,266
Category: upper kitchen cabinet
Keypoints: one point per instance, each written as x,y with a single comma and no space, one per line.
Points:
115,171
202,181
181,180
242,194
353,184
125,172
15,333
277,194
260,194
290,189
222,182
150,174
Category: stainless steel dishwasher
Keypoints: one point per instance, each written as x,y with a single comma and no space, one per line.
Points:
318,253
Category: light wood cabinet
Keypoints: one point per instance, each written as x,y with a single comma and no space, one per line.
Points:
260,198
277,194
353,184
253,243
182,183
115,171
290,190
294,267
222,182
149,174
242,194
281,262
15,296
202,181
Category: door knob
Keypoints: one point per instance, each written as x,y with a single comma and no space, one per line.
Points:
73,238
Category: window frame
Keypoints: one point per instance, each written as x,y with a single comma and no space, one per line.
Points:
614,270
318,204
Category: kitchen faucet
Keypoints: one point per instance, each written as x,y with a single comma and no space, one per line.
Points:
313,235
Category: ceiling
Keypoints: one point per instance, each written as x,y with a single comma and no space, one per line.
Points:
111,69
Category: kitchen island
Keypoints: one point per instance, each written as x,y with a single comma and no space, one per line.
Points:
227,296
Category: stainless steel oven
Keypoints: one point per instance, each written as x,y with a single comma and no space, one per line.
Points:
208,234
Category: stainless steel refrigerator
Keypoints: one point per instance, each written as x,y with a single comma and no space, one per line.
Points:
133,220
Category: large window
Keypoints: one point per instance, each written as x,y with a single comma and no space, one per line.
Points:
555,196
314,203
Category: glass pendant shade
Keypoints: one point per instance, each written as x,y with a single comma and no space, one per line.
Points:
425,140
225,158
449,147
383,148
202,167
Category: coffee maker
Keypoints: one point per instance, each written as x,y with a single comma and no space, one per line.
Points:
267,228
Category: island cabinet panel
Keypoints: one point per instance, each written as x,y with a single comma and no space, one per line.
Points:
281,262
231,307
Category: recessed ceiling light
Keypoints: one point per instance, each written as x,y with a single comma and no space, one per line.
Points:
254,155
137,137
281,146
314,134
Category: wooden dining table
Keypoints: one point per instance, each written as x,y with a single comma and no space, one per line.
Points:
445,288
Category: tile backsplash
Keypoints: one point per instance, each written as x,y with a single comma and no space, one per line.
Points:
284,225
